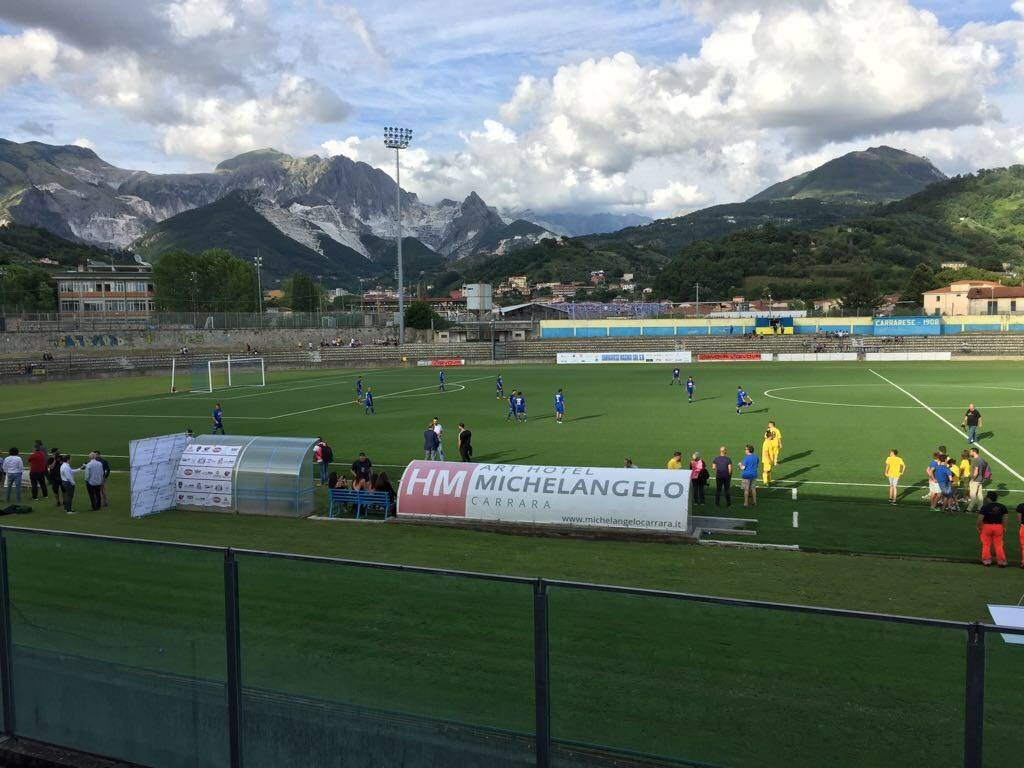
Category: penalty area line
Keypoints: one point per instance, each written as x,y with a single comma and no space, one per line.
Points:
950,424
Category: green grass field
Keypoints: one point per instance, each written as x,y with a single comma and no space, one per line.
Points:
627,672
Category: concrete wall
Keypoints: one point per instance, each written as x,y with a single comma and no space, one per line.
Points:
60,344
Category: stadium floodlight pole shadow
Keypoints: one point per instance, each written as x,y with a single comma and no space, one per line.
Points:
398,139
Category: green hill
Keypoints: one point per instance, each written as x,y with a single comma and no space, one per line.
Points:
977,219
24,245
878,174
232,223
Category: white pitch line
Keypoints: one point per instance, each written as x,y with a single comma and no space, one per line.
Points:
376,397
950,424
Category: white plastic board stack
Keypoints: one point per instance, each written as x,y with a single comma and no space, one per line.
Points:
204,476
153,461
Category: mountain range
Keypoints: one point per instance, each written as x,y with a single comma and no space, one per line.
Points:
326,213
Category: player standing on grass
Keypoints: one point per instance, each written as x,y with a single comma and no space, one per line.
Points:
893,471
511,406
690,385
218,419
768,456
742,399
359,389
676,373
777,441
520,407
559,407
368,402
441,380
499,387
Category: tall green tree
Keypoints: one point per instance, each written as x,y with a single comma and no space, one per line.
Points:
302,293
211,281
419,314
861,296
920,280
27,289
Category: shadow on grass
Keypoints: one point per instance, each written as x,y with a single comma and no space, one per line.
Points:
797,456
986,435
798,472
500,456
591,416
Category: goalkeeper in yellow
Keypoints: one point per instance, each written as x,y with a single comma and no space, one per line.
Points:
771,447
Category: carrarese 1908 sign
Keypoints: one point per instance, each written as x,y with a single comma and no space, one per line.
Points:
586,497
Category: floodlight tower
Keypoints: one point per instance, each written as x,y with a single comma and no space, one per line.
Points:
398,139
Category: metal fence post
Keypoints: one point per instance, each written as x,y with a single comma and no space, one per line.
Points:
974,709
232,635
6,646
541,673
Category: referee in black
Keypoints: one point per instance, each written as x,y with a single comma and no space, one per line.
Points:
465,446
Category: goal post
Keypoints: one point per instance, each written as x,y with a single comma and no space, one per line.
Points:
211,375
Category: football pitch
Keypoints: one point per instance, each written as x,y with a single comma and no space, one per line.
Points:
673,679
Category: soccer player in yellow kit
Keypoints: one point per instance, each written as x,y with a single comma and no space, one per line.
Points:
778,440
769,455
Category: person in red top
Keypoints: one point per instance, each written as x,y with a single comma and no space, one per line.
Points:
1020,519
37,470
990,529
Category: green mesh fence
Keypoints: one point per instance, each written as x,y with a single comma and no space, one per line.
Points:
118,649
367,667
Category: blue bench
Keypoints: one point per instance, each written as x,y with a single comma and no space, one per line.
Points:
362,500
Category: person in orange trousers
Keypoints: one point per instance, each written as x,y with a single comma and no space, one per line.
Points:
991,529
1020,519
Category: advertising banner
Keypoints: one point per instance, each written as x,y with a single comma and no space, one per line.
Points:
907,326
583,497
711,357
204,476
152,463
593,358
440,363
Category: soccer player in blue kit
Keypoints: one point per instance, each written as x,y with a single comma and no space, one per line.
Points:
559,407
520,407
511,406
368,402
689,388
499,388
742,399
359,389
441,380
675,377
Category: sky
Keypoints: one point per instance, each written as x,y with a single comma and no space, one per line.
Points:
655,108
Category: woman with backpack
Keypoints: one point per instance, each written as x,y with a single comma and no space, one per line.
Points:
698,477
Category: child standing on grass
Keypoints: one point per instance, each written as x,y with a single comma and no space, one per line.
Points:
894,469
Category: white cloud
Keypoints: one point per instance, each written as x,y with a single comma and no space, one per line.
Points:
216,128
200,18
33,53
677,197
348,147
80,142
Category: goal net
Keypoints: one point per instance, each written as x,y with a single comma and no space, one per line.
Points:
210,375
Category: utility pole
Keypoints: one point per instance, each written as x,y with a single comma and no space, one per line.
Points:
697,308
398,139
259,289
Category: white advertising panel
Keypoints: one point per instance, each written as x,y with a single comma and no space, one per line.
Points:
584,497
595,358
153,461
204,476
1009,616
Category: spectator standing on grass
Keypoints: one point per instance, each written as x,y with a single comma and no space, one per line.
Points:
676,462
723,476
698,477
106,474
218,419
465,443
37,470
430,442
748,475
14,467
67,482
893,471
318,458
971,422
53,473
976,485
991,528
362,471
94,481
439,431
1020,532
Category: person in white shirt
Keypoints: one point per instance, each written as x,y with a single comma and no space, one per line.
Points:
94,481
438,429
14,468
67,482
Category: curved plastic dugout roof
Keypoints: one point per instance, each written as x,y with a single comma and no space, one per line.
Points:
273,476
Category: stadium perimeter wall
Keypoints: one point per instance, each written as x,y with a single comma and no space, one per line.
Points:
860,326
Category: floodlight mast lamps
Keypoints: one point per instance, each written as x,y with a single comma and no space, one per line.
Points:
398,139
258,260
